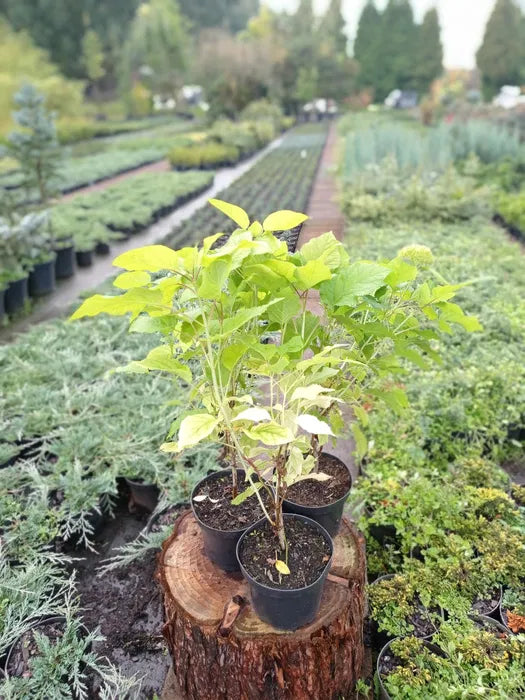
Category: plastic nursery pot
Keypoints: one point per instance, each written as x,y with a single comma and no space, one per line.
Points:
383,693
65,262
219,545
144,495
2,303
292,608
329,516
36,623
15,295
102,248
84,258
42,279
486,621
491,610
382,638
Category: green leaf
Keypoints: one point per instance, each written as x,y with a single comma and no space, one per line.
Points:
282,568
253,414
283,220
161,358
151,257
313,425
401,272
311,274
361,415
256,228
232,354
232,211
241,318
129,280
213,278
270,434
134,300
195,428
326,248
241,497
356,280
361,442
310,392
285,309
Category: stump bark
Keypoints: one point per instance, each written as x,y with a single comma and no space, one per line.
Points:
222,651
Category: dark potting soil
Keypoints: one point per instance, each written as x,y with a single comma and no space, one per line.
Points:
166,518
485,605
423,625
25,648
308,553
321,493
126,604
217,510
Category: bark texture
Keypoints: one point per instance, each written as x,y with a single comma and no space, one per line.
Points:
222,651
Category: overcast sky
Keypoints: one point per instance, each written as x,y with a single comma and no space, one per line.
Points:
462,23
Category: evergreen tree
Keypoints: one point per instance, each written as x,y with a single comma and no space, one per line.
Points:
336,70
429,54
332,28
232,15
397,50
35,147
501,55
93,56
367,46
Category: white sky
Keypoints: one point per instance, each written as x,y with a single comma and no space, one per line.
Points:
462,23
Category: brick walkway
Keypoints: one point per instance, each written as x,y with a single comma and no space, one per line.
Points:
323,209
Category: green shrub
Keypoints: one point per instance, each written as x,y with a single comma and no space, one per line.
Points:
511,207
203,156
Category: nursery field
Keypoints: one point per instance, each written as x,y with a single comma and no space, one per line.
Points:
439,426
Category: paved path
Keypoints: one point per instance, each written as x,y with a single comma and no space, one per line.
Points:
85,279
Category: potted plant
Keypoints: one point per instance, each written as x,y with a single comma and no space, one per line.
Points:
84,249
512,609
64,250
271,406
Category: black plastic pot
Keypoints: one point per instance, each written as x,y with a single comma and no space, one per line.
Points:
42,279
144,495
65,262
15,296
102,248
84,258
219,545
381,638
292,608
383,693
328,516
39,622
491,622
2,303
494,611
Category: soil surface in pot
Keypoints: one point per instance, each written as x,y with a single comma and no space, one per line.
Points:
308,553
389,662
310,492
423,625
217,510
126,604
485,605
26,647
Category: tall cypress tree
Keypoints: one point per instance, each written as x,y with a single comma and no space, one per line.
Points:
332,28
501,55
367,45
397,51
429,52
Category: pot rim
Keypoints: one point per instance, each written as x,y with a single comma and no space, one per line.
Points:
491,621
287,591
327,506
492,610
214,475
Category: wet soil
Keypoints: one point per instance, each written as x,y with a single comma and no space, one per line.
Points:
487,604
320,493
217,511
25,648
126,604
423,625
308,554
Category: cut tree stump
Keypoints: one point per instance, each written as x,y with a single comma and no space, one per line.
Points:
221,650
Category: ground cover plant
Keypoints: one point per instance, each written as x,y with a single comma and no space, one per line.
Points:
437,505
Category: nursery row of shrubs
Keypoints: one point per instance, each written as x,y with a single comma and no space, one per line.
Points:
38,249
282,178
445,525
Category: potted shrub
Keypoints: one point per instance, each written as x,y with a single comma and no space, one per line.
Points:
64,250
84,249
512,609
272,407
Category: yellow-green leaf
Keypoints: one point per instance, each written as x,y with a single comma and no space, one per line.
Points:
283,220
130,280
270,433
232,211
151,257
282,568
134,300
195,428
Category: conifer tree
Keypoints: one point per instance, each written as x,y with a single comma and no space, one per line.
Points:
397,50
332,28
501,56
367,45
429,53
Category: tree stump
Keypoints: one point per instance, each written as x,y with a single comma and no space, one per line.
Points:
221,650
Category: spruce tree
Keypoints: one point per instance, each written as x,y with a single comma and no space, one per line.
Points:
367,45
429,52
501,55
35,147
